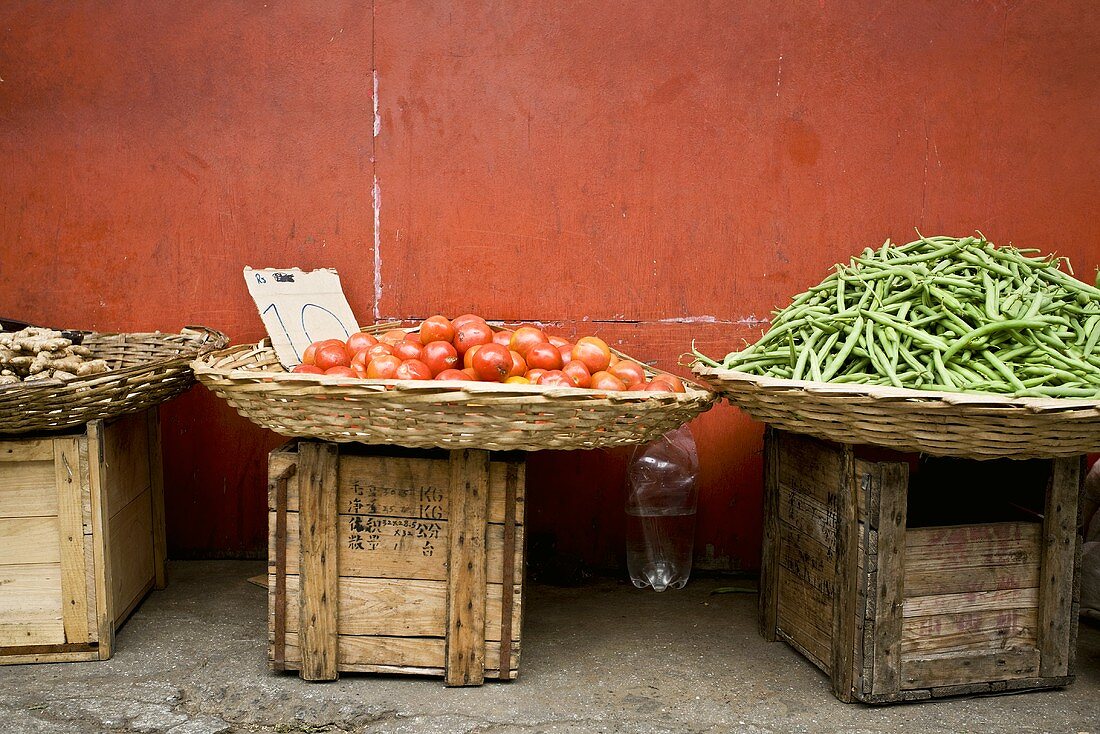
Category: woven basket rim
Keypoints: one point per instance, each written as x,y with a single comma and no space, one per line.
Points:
201,366
717,378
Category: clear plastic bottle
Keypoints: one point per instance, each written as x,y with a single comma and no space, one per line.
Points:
661,503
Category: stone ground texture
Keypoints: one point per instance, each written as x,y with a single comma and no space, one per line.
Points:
603,657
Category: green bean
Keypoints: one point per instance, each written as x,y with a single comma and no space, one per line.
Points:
924,337
938,313
991,328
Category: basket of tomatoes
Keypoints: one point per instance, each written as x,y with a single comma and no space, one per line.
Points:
455,384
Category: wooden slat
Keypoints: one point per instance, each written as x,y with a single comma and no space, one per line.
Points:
975,631
507,606
769,563
809,515
1059,548
466,581
131,554
30,605
27,489
922,606
960,669
844,603
30,450
400,548
73,656
358,652
70,487
101,541
978,578
280,475
404,608
29,540
810,467
126,456
89,582
807,559
806,602
890,485
979,551
318,602
868,500
400,486
815,650
156,486
962,535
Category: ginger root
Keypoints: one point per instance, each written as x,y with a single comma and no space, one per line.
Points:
39,354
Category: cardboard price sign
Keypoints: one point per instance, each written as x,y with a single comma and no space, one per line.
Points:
300,307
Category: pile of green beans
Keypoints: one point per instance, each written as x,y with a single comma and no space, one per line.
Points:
940,313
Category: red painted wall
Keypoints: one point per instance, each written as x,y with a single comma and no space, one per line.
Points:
615,167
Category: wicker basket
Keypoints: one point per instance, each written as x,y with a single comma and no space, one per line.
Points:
145,370
435,413
967,425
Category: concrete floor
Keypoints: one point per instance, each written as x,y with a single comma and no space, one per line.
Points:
598,658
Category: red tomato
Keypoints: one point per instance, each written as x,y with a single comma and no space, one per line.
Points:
440,356
544,356
310,355
675,383
381,349
519,365
453,375
341,372
492,362
393,336
358,342
558,341
471,334
556,378
594,352
468,357
331,355
408,349
383,368
659,386
614,360
606,381
361,359
308,369
638,386
526,337
436,329
578,373
465,318
629,372
413,369
566,352
502,337
469,372
534,375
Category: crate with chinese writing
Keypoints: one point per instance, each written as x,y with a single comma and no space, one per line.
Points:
909,577
81,537
390,560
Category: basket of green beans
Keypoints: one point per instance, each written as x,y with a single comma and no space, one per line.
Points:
950,346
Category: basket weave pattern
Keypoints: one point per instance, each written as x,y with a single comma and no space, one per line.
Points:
967,425
145,370
443,414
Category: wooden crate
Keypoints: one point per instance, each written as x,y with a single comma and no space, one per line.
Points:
410,561
81,537
879,571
